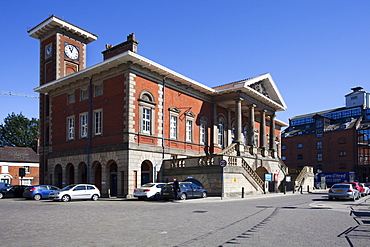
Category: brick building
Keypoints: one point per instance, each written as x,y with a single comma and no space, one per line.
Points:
13,158
335,140
114,123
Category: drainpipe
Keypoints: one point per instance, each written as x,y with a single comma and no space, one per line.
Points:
164,85
163,147
89,132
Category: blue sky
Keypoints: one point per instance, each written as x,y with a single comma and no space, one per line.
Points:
316,51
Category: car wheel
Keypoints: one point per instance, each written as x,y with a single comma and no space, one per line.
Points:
66,198
157,196
1,195
95,197
37,197
183,196
204,195
330,198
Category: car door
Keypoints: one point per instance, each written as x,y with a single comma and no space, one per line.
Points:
44,191
189,190
196,190
79,192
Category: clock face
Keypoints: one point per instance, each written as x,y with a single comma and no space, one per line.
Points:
48,50
71,51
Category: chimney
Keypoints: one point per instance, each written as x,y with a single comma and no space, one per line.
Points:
129,45
356,89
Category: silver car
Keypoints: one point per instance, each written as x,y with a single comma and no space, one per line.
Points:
343,191
76,192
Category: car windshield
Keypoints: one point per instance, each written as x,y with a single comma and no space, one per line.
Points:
68,187
8,187
340,186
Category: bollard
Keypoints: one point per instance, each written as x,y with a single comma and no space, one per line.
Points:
308,189
284,189
242,192
301,188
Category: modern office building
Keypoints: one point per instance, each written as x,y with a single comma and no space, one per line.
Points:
335,140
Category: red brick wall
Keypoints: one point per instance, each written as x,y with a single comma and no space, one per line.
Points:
331,148
112,102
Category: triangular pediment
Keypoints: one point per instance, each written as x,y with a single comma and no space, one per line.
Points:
261,88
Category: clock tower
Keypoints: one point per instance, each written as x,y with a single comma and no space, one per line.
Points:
62,52
62,48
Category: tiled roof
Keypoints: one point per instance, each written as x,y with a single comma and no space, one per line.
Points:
304,129
18,154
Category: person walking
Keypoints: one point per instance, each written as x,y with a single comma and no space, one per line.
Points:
176,189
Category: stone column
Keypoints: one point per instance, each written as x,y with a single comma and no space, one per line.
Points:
272,132
263,129
251,126
238,122
229,129
215,126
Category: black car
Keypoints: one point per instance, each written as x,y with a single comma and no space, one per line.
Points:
12,191
187,190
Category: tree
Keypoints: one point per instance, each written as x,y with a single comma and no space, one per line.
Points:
19,131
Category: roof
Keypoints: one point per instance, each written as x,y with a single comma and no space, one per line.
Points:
270,95
18,154
343,124
52,22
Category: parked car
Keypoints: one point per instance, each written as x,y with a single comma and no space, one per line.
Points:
39,192
366,189
358,187
76,192
149,190
12,191
2,185
187,190
343,191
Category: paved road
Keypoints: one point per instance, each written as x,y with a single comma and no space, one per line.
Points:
266,220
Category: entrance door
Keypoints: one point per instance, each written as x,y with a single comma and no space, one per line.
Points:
145,178
113,184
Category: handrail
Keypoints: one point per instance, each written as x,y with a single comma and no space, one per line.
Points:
229,150
301,176
253,175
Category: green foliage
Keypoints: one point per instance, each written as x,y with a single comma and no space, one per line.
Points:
19,131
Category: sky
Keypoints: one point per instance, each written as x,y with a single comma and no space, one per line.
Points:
315,51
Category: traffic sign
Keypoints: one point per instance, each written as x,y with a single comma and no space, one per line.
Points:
223,163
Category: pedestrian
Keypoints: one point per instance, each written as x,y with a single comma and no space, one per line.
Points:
176,188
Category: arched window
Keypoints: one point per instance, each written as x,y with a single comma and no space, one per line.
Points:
221,135
147,106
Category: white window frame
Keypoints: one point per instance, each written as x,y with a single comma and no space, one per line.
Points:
71,124
146,120
98,122
189,130
27,169
203,130
173,126
202,133
84,117
221,132
84,94
146,109
98,90
71,98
